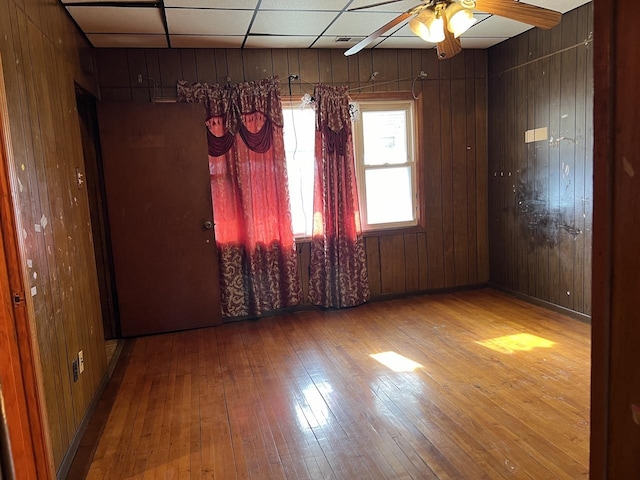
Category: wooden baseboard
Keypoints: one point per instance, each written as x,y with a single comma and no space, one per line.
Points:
377,298
433,291
67,461
543,303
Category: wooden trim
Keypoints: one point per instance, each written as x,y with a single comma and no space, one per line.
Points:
418,129
384,96
415,106
70,456
429,291
394,231
604,92
19,372
10,368
542,303
90,434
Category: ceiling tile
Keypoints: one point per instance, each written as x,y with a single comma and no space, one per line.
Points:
397,7
404,42
117,19
123,2
274,41
187,21
106,40
480,42
359,23
496,26
297,5
218,4
206,41
561,6
291,23
329,41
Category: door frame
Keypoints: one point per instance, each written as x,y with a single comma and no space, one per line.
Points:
20,373
603,84
614,438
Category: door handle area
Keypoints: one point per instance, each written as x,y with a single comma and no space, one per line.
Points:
208,225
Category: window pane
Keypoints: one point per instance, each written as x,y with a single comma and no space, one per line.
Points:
385,137
389,195
299,131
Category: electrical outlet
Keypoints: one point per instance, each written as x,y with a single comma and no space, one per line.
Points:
74,367
81,360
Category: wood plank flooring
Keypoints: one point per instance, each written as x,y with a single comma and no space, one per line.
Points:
299,396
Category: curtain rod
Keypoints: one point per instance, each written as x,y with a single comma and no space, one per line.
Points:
420,76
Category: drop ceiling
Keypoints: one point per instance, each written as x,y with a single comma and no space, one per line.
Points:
270,23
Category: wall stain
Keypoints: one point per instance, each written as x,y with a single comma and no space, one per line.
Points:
540,223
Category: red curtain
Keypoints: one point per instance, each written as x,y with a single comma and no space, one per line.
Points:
257,255
338,271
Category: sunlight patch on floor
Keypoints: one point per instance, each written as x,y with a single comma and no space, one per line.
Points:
314,412
519,342
395,361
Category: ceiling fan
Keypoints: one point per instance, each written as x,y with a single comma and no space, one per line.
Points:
443,21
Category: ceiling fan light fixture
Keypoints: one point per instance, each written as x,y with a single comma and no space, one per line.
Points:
459,19
429,26
419,28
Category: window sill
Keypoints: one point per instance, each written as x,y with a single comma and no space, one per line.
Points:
376,233
394,231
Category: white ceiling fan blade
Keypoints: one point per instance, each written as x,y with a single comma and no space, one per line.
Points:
364,7
383,29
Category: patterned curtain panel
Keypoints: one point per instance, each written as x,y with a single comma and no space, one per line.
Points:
338,270
257,255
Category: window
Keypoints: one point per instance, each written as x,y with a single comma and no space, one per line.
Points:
299,140
385,160
385,151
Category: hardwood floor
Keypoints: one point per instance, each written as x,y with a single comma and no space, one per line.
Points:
502,392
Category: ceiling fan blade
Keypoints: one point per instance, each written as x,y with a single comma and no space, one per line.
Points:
450,46
521,12
372,5
383,29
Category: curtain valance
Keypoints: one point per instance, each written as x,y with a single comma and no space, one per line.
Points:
332,107
230,102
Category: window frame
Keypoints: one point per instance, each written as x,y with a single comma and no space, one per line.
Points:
293,102
414,105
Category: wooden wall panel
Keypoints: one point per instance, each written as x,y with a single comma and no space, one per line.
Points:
540,202
460,177
433,211
482,170
372,246
392,264
412,269
450,249
24,417
43,57
446,178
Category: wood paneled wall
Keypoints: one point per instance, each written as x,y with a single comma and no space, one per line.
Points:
540,193
43,57
451,249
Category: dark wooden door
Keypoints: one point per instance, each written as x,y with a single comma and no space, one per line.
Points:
159,205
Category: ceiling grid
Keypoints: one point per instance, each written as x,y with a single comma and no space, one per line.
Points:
271,23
